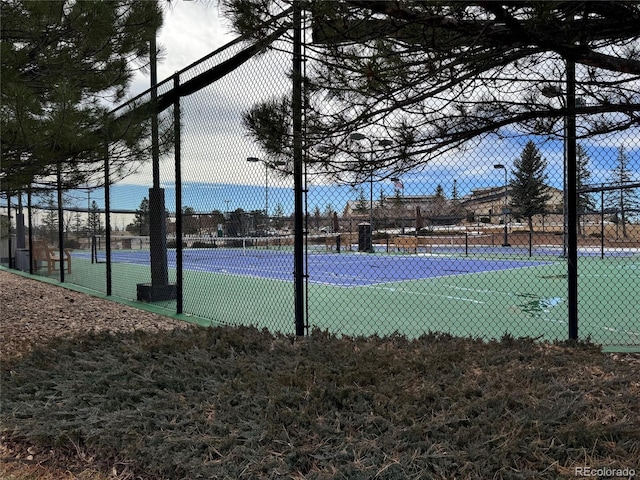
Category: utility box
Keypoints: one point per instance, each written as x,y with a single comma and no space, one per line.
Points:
365,243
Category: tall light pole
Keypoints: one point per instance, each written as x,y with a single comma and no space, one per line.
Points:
267,165
159,288
505,210
266,183
399,186
384,142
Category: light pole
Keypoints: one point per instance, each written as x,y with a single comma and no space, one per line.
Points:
159,288
266,181
384,142
505,210
397,183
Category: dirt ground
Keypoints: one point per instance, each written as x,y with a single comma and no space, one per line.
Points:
33,312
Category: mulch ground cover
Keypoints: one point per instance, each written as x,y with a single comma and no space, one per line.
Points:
242,403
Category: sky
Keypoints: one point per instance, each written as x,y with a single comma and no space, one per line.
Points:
191,30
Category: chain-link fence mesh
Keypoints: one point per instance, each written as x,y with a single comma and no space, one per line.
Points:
460,244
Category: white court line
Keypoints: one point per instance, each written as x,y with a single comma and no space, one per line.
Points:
410,292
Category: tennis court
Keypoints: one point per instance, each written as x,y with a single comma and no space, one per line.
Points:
352,293
348,269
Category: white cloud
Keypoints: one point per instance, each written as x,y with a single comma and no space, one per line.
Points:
191,30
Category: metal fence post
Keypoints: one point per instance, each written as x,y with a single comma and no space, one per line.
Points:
60,221
178,179
572,204
298,251
107,215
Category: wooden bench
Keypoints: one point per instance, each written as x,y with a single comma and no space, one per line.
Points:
331,243
42,252
346,242
406,243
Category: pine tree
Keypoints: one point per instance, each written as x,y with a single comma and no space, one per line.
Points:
405,67
317,214
50,218
528,189
94,222
362,204
585,199
60,61
189,221
455,200
622,200
141,219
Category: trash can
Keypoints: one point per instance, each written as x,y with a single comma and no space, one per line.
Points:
364,237
23,258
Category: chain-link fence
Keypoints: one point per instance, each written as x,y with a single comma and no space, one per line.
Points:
462,243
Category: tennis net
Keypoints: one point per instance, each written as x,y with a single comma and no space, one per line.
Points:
133,242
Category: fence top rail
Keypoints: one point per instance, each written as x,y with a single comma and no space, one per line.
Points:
605,187
184,89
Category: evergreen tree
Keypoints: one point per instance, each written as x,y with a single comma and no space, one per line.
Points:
189,221
141,219
623,200
316,216
50,218
406,67
362,204
78,223
60,61
455,200
454,191
585,199
94,221
528,188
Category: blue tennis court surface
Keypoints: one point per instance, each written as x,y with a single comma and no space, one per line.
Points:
352,269
366,269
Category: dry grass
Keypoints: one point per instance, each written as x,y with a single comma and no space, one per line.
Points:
240,403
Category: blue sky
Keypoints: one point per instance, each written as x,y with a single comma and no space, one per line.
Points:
473,169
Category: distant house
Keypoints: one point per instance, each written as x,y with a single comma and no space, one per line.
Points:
482,205
486,205
406,203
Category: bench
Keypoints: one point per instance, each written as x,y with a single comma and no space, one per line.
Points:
346,241
42,252
406,243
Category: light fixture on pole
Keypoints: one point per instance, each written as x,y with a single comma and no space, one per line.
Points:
399,186
384,142
505,210
159,289
266,183
267,165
